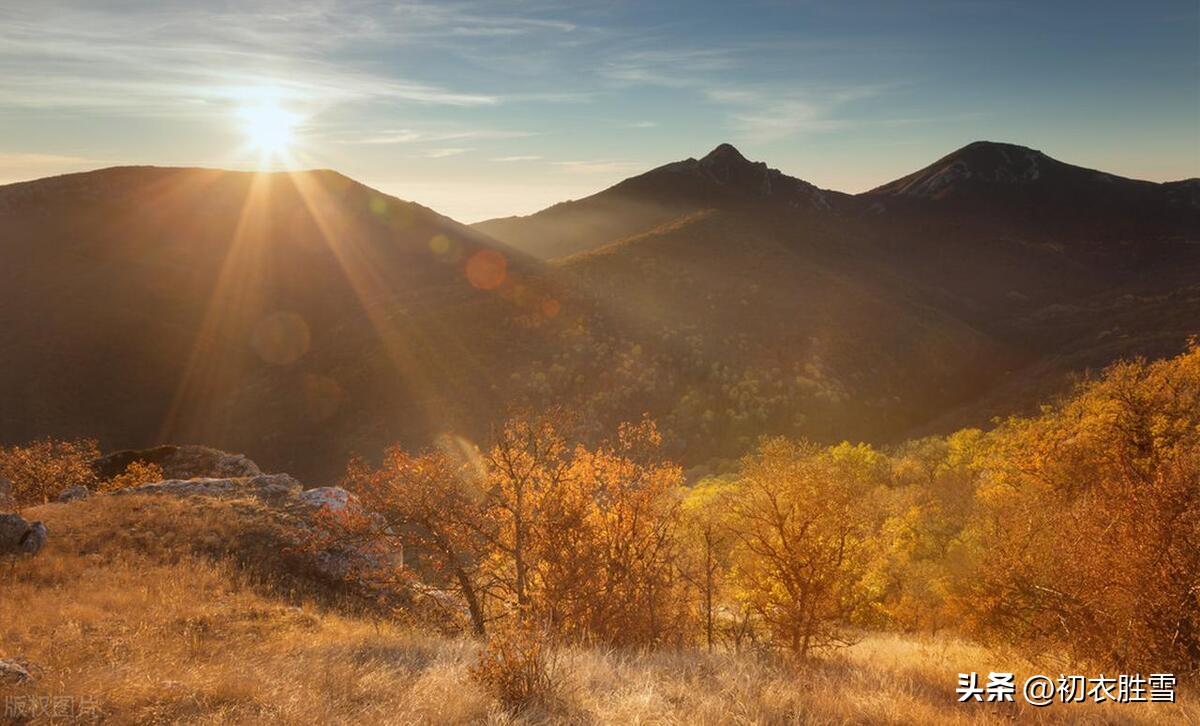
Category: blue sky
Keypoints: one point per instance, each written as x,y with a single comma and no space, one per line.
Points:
491,108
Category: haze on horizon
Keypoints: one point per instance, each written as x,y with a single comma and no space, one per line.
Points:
487,109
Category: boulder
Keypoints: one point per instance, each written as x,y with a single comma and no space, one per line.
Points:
179,462
15,671
20,537
75,493
269,487
334,499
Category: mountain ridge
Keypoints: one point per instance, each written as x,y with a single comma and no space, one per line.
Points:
723,177
969,175
302,316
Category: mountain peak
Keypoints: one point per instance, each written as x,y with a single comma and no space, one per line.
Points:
986,162
998,159
725,153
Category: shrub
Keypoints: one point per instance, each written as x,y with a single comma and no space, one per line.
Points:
515,666
41,469
136,474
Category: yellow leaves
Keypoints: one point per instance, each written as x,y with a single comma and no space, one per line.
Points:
136,474
1087,519
803,519
41,469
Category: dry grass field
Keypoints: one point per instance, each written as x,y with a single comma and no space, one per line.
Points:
158,610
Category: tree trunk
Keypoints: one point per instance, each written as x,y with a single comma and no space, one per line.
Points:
708,592
473,605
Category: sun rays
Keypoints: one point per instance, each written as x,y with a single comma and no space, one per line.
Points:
297,234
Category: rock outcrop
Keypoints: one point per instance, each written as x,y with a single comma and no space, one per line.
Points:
273,488
21,537
179,462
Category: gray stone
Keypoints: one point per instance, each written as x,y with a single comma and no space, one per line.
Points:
35,539
271,487
334,499
21,537
75,493
15,671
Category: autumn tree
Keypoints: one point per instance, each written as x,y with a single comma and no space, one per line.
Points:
428,505
921,555
1087,537
527,500
583,539
136,473
629,539
802,518
706,547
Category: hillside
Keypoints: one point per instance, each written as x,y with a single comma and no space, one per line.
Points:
763,327
294,315
158,610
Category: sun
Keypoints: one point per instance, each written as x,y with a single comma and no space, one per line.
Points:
269,128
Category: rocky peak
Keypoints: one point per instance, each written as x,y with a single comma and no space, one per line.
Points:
999,162
725,154
986,162
726,165
726,169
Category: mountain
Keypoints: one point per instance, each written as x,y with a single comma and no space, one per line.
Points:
723,178
999,175
1081,226
296,315
988,229
1050,267
300,317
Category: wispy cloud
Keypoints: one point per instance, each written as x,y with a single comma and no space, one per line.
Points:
464,20
680,67
528,157
403,136
409,136
443,153
762,115
173,58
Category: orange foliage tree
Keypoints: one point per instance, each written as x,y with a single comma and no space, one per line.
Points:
41,469
1087,537
578,542
631,591
583,540
427,505
707,544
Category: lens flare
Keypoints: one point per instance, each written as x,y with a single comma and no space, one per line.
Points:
487,269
